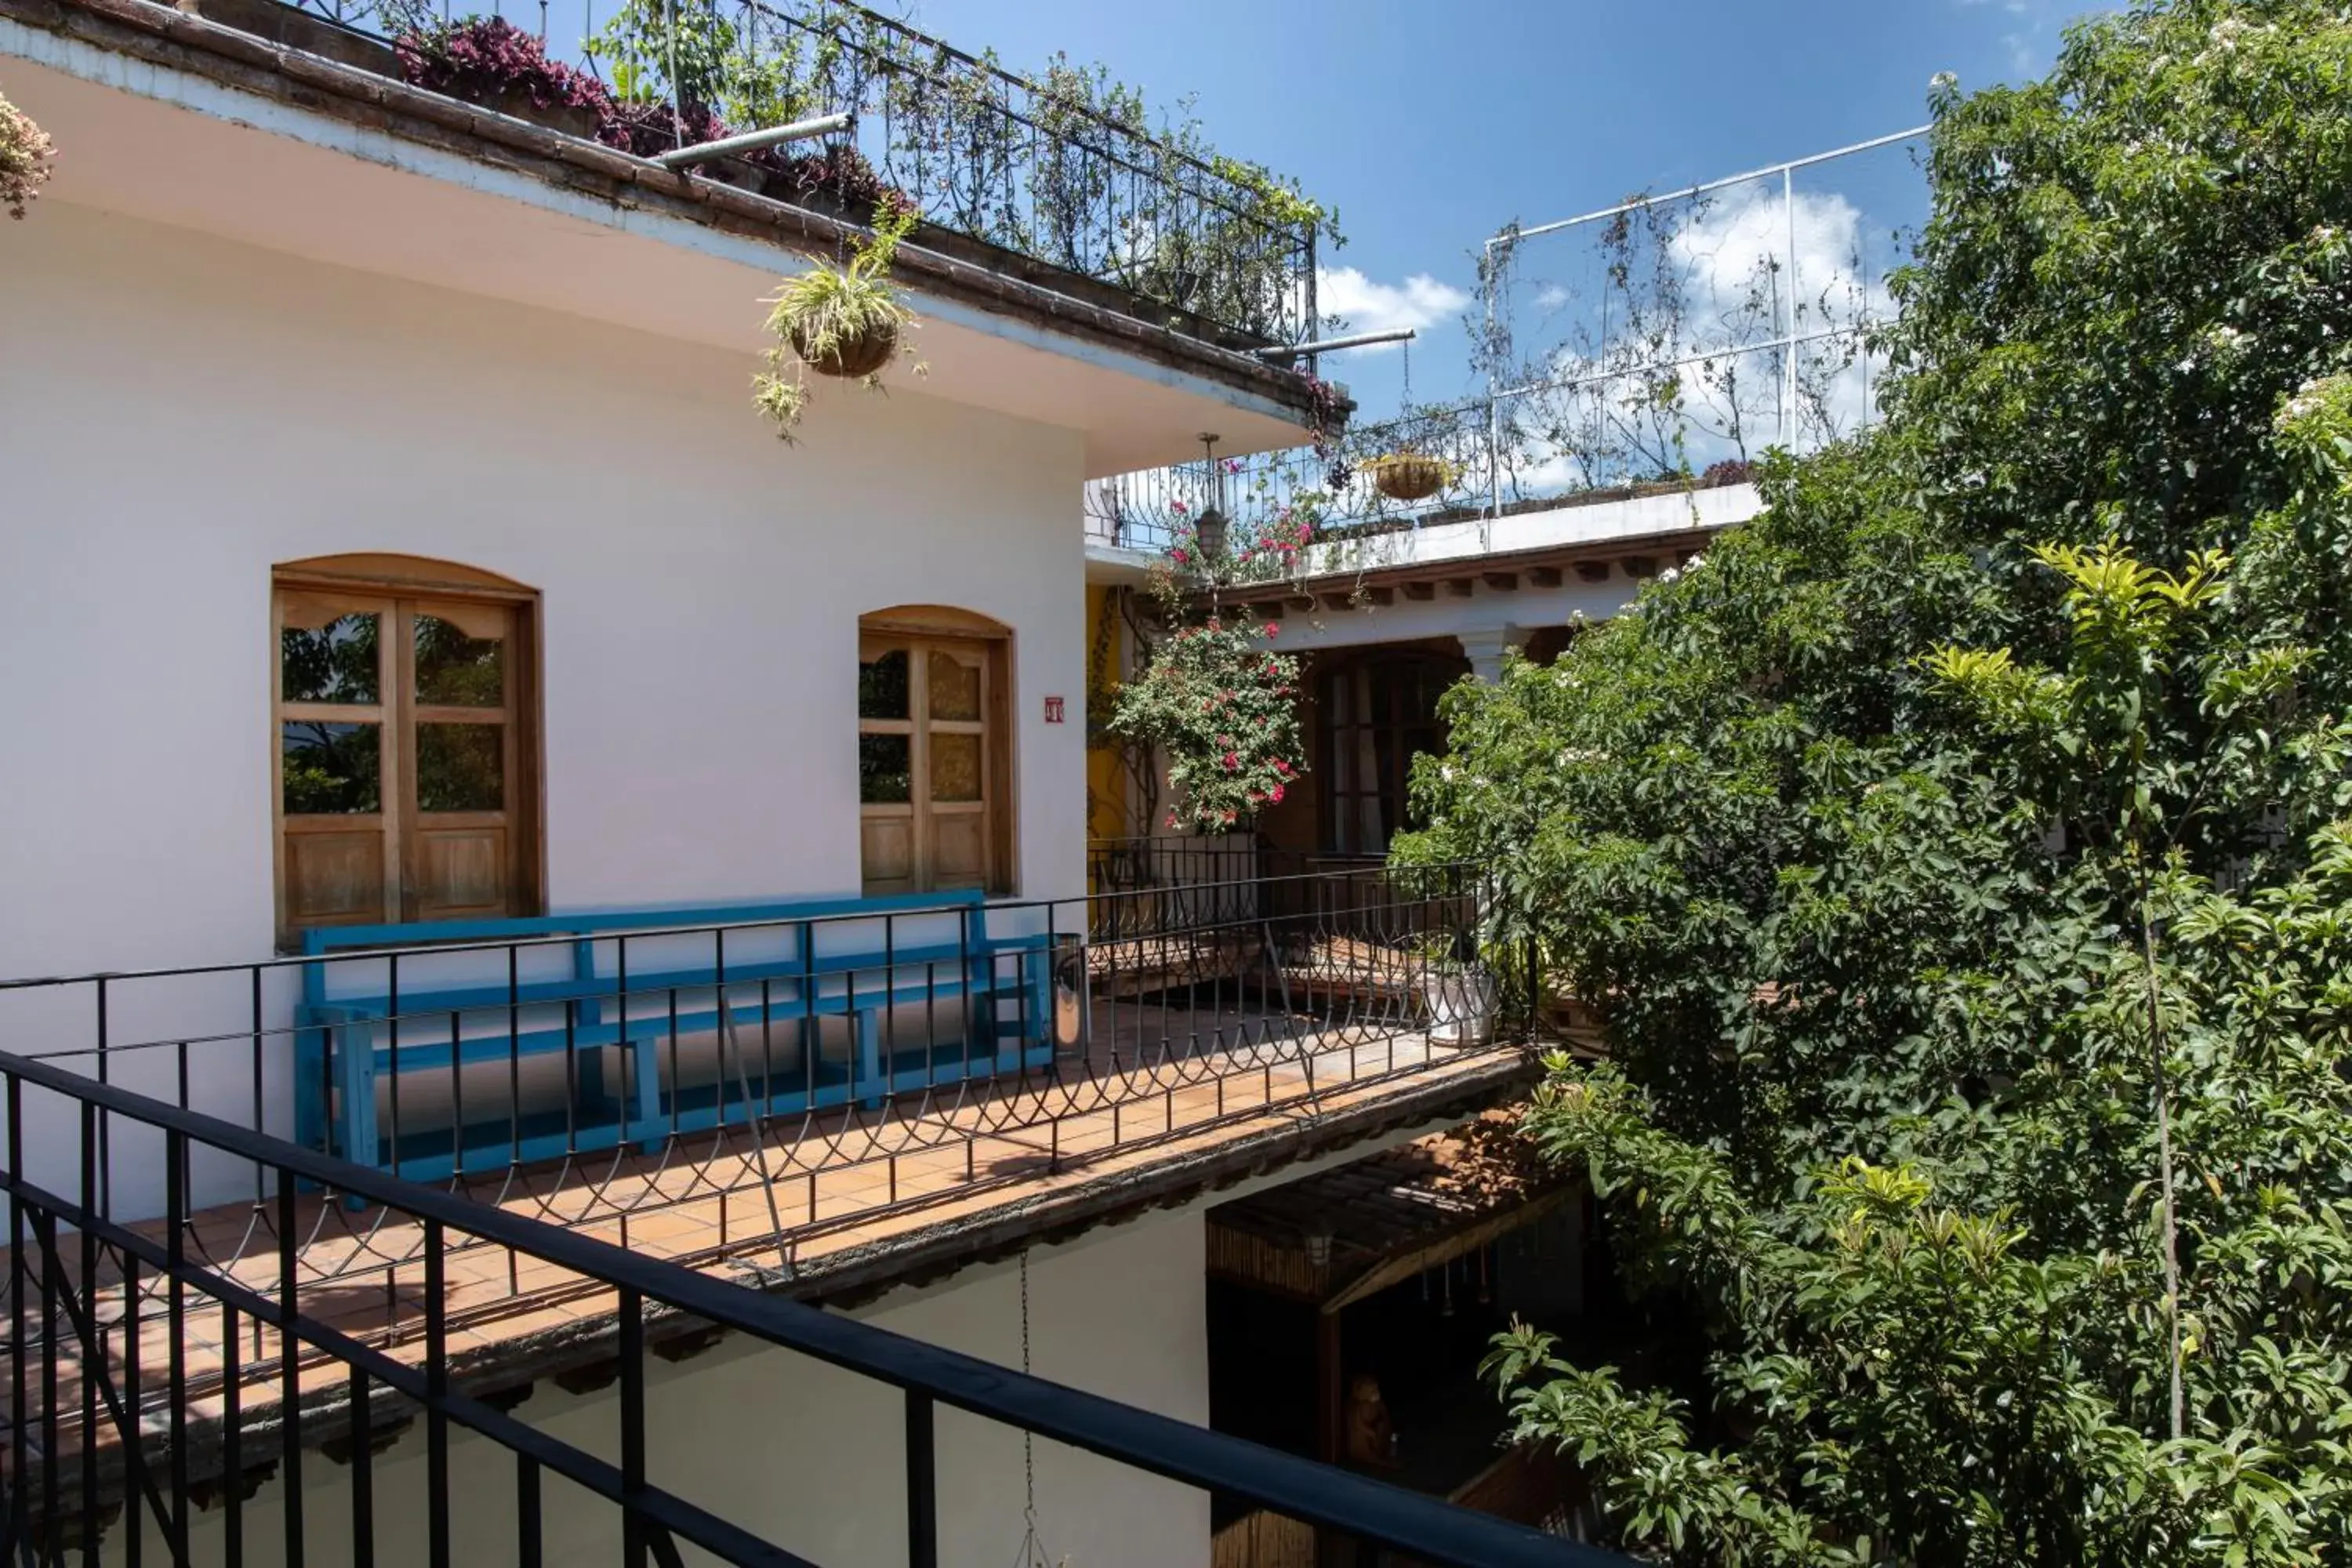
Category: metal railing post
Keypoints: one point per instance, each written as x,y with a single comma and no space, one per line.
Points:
922,1483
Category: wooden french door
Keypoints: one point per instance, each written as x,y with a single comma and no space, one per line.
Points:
404,755
928,763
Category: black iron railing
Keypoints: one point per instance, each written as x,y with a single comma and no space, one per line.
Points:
151,1388
1063,170
782,1081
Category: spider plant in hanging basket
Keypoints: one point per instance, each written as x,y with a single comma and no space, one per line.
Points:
1410,476
843,321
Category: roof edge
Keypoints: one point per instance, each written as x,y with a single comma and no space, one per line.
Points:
160,35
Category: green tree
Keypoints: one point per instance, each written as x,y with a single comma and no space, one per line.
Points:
1958,854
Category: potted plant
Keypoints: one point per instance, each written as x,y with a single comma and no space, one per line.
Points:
26,152
1410,476
843,321
1457,991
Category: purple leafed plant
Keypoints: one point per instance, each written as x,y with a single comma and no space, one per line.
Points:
482,58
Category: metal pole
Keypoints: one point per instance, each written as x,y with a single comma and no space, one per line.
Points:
1496,256
1701,189
750,141
1788,370
1333,345
1569,383
1314,317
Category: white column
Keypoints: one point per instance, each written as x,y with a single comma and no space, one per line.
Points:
1484,648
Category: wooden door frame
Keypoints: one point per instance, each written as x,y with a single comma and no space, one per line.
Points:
1000,745
402,581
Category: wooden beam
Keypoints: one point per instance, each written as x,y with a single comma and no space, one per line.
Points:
1422,591
1460,588
1269,611
1641,566
1503,582
1544,576
1384,596
1593,571
1337,601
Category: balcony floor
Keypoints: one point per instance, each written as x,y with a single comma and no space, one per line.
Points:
829,1205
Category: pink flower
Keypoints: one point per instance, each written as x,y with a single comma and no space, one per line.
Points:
1231,814
1273,629
1282,767
1178,506
1171,819
1179,555
1274,794
1232,762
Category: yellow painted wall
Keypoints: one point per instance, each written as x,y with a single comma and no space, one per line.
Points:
1105,780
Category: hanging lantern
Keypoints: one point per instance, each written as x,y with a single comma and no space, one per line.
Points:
1211,529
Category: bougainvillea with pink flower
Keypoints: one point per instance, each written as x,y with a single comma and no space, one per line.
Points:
1222,709
1215,699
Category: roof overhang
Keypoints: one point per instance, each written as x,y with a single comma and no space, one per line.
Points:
175,119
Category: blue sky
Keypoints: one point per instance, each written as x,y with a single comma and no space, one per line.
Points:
1430,126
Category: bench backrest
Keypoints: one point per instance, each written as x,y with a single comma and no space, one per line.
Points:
437,955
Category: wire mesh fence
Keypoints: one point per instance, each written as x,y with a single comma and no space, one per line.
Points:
1658,346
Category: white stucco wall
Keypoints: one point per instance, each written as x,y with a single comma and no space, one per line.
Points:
179,412
813,1459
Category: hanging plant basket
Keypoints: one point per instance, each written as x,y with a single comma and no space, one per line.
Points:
853,355
1409,476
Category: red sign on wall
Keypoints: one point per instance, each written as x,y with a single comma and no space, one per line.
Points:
1054,710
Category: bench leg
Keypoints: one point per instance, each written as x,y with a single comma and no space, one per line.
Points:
310,1056
354,1048
873,1074
643,1106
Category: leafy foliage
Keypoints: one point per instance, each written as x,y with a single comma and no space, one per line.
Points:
26,153
1978,814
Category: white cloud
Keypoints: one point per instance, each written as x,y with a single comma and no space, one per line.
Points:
1420,302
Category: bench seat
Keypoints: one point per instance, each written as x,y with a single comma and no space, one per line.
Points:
608,993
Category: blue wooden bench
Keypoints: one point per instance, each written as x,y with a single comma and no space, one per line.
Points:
429,1007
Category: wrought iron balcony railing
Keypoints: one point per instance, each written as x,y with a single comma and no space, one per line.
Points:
1303,511
771,1096
1063,170
151,1383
